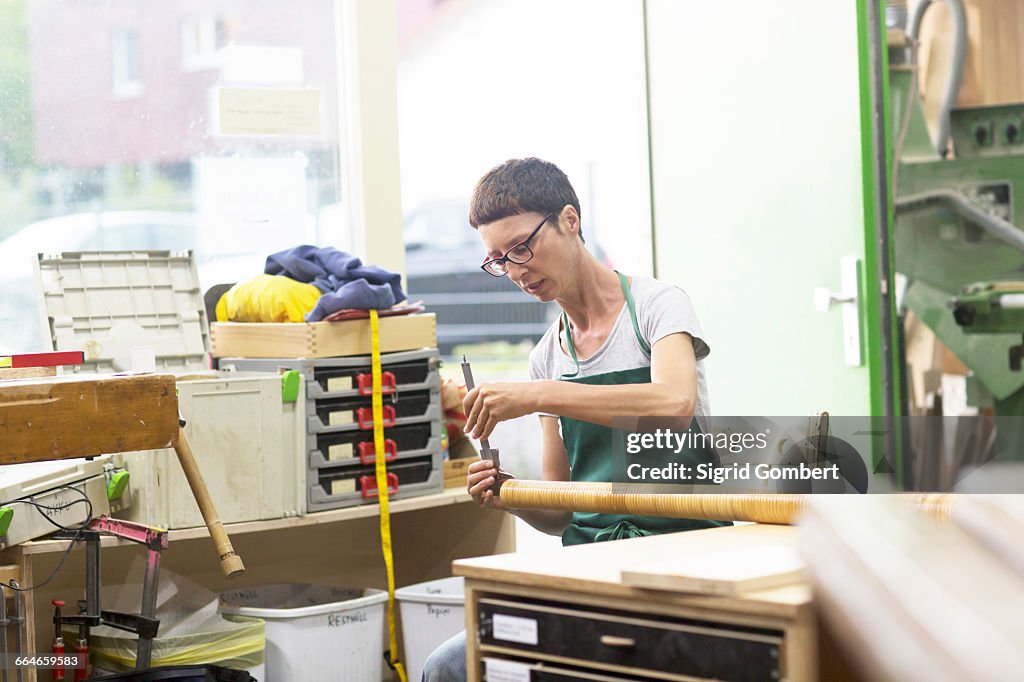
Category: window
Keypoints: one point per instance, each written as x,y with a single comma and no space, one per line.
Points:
148,168
202,38
126,61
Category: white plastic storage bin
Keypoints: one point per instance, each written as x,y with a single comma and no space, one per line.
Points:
432,612
249,443
315,632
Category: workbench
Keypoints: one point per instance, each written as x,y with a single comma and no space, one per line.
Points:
568,615
339,547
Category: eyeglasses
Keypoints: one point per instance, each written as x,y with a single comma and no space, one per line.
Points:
519,254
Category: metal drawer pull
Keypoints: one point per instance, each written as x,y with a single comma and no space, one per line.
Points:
618,642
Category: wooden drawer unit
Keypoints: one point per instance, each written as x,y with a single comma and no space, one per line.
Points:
629,641
566,614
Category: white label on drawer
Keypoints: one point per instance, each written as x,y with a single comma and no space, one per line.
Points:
506,671
343,485
515,629
340,418
339,384
341,451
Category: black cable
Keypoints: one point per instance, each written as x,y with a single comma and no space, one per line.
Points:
78,535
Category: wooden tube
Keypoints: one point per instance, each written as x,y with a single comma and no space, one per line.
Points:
617,498
230,563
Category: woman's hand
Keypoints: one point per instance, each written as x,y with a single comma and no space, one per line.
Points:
479,480
498,401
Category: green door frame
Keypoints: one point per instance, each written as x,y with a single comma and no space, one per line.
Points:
882,332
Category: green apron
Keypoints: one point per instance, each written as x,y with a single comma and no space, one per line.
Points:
589,447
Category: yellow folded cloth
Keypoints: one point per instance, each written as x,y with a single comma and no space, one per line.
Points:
267,298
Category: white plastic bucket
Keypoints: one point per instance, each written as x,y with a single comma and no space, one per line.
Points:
432,612
315,632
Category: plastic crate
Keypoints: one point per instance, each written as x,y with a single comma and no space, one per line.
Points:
108,303
432,612
61,488
250,446
315,632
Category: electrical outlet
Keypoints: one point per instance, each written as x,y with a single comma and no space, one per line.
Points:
1013,131
983,134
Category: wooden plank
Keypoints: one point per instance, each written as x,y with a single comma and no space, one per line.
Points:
322,339
75,416
27,373
729,572
596,568
909,598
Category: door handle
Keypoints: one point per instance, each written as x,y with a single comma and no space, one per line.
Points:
849,299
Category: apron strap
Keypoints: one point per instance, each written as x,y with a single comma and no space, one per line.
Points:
632,313
624,283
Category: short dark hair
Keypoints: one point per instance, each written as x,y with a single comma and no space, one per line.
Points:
519,186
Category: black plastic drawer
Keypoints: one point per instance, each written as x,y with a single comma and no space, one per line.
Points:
347,443
334,379
346,411
587,635
341,480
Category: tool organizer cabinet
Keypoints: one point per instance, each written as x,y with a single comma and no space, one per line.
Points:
339,424
568,616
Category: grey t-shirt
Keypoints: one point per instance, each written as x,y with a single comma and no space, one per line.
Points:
661,309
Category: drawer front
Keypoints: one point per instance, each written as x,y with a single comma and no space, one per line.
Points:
500,670
591,635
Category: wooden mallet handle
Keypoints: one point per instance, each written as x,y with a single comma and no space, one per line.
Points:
230,563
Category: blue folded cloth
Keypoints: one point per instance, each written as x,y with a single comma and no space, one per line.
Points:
342,277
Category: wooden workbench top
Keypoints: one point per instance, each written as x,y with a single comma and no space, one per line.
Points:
596,568
80,416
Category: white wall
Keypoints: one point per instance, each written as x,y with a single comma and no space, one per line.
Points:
758,192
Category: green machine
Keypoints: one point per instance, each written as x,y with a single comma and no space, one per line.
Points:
957,239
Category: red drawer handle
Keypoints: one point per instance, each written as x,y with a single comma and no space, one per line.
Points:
368,453
365,383
364,415
365,483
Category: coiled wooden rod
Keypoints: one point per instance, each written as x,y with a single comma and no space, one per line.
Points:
609,498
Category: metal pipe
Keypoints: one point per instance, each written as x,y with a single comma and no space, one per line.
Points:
19,623
150,586
3,633
92,574
965,207
956,66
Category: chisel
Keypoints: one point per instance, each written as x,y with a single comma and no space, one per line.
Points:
486,451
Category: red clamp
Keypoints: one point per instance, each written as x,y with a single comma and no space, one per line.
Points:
81,665
365,383
365,483
364,416
368,452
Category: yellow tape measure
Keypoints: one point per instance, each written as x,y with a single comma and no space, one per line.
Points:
382,493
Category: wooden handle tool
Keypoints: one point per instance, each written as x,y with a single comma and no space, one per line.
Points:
230,563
